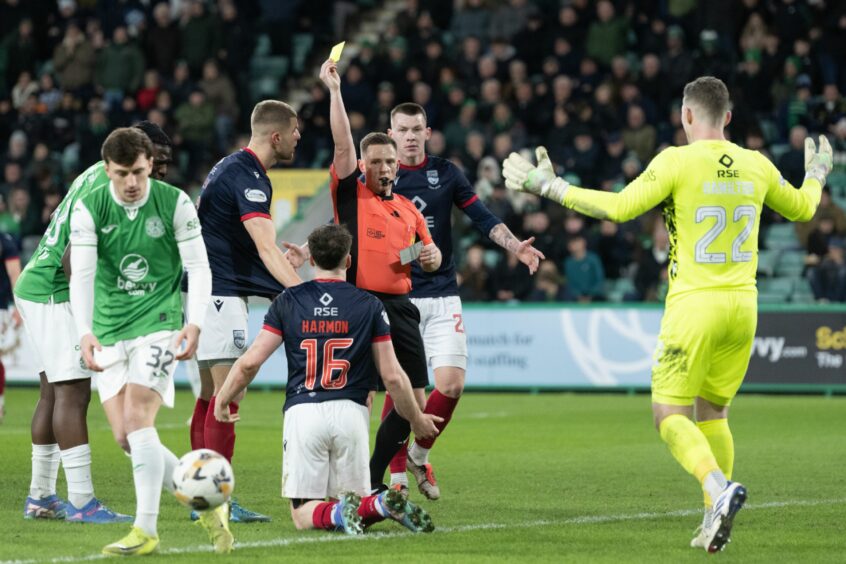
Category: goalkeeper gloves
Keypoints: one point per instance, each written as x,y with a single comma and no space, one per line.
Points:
818,164
523,176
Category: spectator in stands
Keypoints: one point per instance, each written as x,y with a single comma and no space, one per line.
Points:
12,178
792,163
584,272
18,149
471,19
828,278
549,285
92,134
639,136
162,41
677,62
474,276
510,280
23,89
607,34
120,68
21,51
220,93
196,125
200,36
614,247
652,264
74,59
828,210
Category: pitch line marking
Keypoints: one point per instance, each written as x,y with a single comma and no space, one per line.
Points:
583,520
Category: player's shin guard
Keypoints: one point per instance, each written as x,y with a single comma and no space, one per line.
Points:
719,437
442,406
390,437
691,449
198,424
220,437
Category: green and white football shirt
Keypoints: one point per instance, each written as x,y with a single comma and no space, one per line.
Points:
139,269
43,278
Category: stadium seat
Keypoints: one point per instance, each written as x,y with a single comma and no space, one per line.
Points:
767,260
774,290
303,43
781,236
837,182
802,292
840,201
791,264
262,46
621,288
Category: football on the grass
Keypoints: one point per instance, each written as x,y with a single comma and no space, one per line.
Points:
203,480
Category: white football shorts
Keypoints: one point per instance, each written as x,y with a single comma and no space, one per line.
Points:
148,361
442,328
325,450
224,333
52,334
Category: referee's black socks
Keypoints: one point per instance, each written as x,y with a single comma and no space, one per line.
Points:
390,437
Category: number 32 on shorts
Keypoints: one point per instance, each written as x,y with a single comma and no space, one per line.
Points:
160,360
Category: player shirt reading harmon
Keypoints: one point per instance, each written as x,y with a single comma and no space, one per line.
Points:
712,192
138,263
381,227
43,277
434,187
328,327
236,189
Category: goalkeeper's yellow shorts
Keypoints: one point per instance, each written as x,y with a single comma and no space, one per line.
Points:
704,346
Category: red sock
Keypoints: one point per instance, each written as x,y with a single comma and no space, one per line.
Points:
220,437
2,378
368,512
322,516
198,424
389,405
398,462
442,406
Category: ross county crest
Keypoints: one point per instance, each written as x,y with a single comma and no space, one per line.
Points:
239,338
154,227
434,180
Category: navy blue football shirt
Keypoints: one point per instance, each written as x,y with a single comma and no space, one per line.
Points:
434,186
8,251
329,327
236,189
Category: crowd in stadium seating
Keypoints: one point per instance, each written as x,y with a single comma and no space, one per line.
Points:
597,82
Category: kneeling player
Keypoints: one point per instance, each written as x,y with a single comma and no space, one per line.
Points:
333,333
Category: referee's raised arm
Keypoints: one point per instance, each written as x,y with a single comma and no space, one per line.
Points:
344,159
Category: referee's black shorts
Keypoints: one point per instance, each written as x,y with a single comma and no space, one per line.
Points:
405,336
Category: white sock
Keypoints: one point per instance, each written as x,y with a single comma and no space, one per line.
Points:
45,469
418,454
77,463
148,468
399,478
170,463
715,482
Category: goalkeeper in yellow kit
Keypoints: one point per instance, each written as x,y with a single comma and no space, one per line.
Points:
712,192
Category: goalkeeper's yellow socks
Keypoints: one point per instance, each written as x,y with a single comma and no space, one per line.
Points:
722,446
691,449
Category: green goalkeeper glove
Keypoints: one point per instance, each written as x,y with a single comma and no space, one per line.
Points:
818,165
522,176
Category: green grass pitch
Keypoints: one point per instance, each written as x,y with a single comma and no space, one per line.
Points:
524,478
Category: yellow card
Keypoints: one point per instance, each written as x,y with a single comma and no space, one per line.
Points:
335,54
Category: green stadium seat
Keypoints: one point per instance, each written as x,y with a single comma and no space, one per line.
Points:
775,290
619,289
839,201
791,264
302,44
262,46
802,292
781,236
767,260
273,67
837,181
